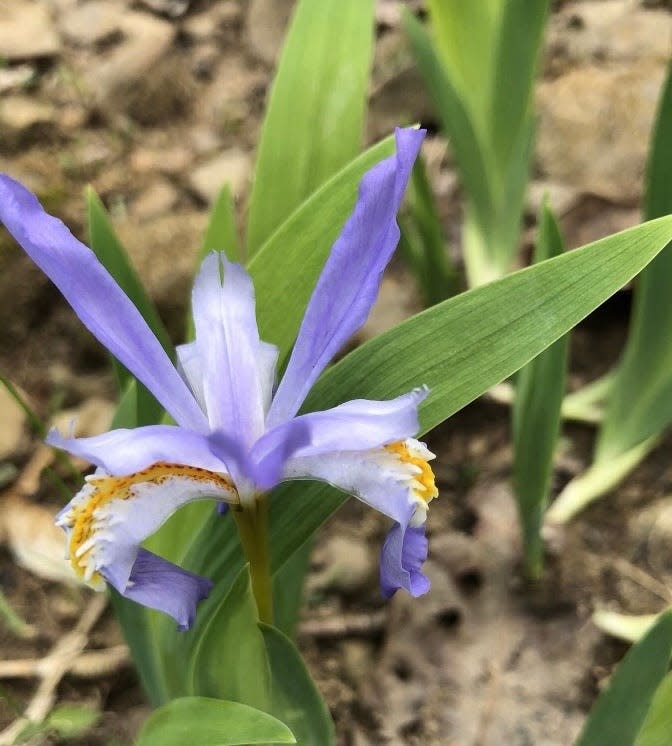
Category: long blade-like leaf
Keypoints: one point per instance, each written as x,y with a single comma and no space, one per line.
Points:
460,348
540,388
640,402
315,118
620,711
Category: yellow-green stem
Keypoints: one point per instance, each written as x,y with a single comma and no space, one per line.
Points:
252,523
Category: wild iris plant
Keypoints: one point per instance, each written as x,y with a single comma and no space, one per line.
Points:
237,435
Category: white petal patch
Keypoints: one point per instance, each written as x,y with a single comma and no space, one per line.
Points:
110,516
394,479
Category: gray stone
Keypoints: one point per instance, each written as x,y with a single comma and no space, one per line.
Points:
170,8
129,76
266,25
157,200
92,23
20,113
232,166
13,78
26,31
595,126
611,30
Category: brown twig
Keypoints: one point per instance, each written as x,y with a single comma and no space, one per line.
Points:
53,667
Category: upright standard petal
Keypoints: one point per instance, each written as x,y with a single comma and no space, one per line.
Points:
348,285
233,360
96,298
125,451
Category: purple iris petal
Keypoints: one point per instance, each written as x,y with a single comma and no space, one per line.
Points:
159,584
126,451
348,285
357,425
229,349
403,554
359,474
96,298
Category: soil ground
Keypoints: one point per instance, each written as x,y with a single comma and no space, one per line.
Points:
486,658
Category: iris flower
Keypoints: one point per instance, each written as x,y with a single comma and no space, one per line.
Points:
237,433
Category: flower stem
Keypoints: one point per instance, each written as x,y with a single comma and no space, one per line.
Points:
252,523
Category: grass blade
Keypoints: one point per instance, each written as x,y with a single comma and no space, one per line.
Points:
540,388
315,118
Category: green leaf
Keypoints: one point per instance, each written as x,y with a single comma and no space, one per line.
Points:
462,347
221,233
288,590
520,36
295,698
72,721
229,659
657,728
540,388
315,117
113,256
621,709
465,35
640,403
470,155
422,234
211,722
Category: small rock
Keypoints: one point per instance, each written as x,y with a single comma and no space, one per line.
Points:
265,29
609,31
157,200
26,31
20,114
132,76
357,659
204,140
35,542
12,425
595,126
169,8
232,167
561,198
348,564
12,78
171,161
92,23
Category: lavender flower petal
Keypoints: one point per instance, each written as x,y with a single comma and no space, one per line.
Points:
357,425
125,451
348,285
365,475
96,298
233,360
403,554
159,584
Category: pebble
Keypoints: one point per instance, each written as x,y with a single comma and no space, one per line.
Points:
20,113
232,166
266,25
92,23
157,199
27,31
595,125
